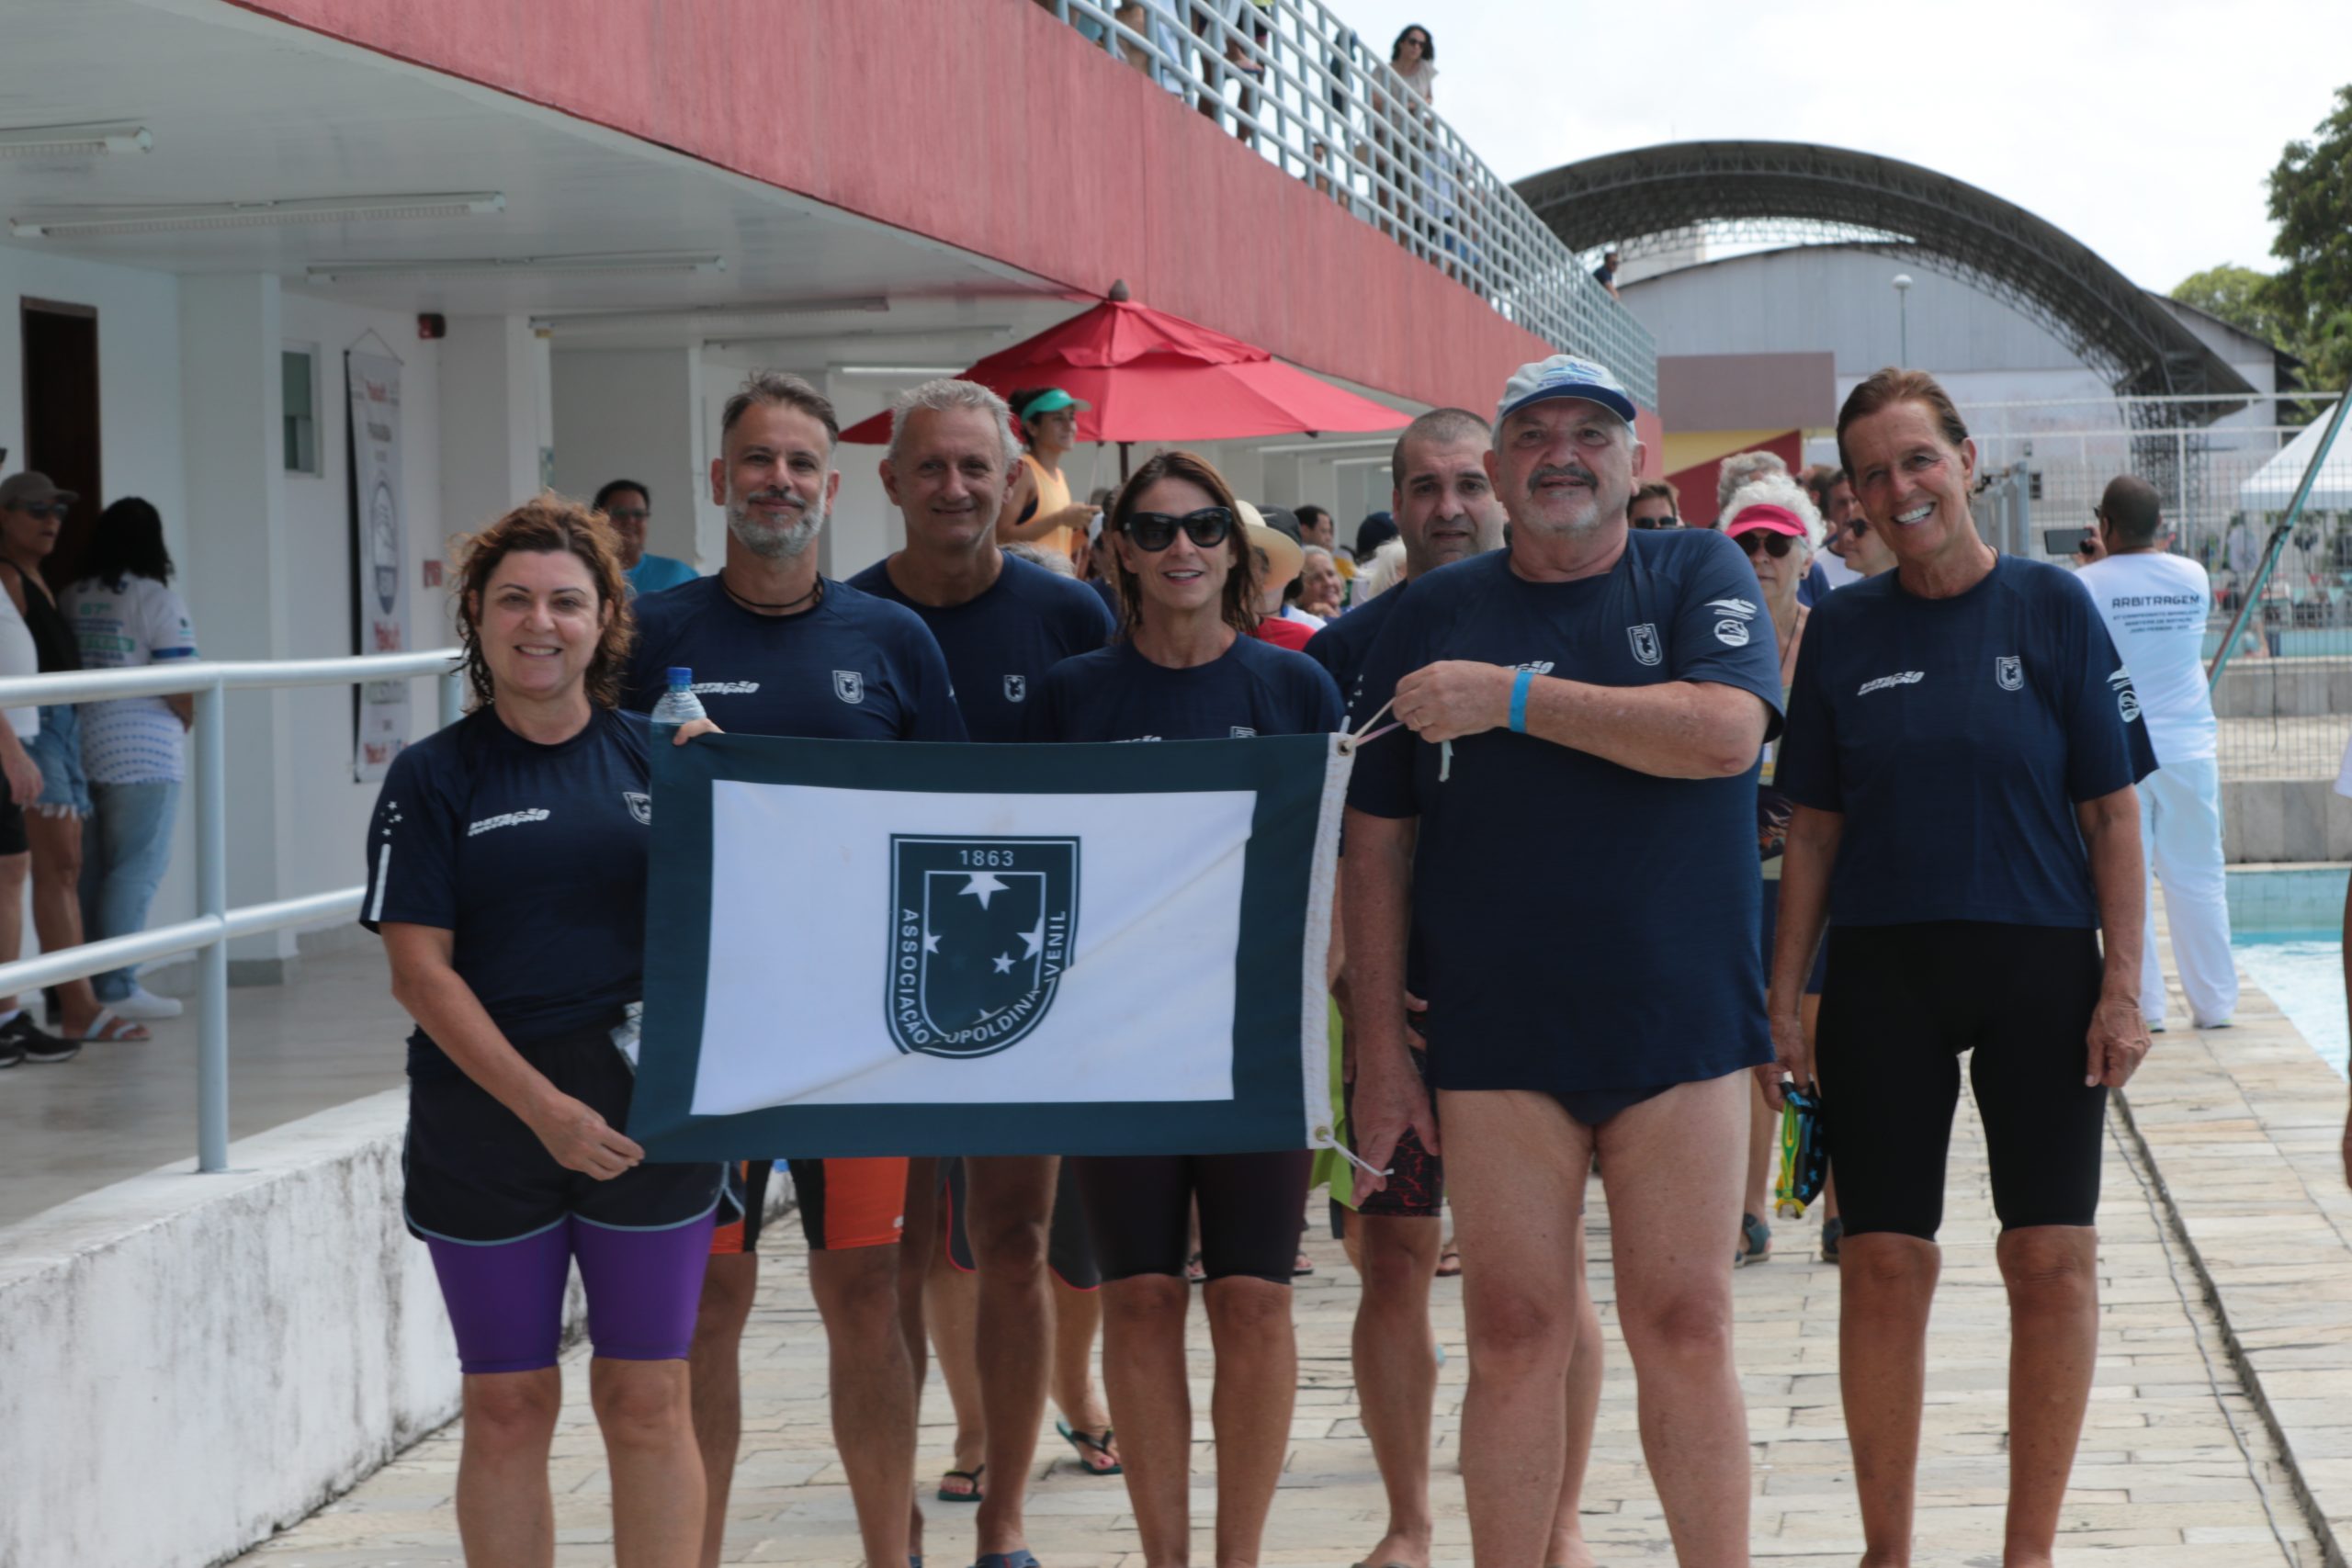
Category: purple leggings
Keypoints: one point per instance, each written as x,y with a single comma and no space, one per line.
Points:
505,1299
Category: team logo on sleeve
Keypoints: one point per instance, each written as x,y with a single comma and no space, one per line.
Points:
849,685
2009,671
981,933
2127,696
1732,629
641,805
1016,688
1646,647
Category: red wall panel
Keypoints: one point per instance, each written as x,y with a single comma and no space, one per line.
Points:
990,126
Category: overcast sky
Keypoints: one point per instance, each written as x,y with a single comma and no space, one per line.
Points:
2144,129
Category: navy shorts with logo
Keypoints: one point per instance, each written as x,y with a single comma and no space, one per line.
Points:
476,1173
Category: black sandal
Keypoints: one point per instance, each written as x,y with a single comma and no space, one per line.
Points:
1089,1447
972,1475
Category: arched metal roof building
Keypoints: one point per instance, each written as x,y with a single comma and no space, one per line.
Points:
1775,189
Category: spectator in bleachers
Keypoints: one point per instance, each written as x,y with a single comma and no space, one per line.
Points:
125,614
1397,128
626,505
1605,274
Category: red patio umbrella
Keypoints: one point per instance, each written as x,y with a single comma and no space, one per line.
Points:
1154,376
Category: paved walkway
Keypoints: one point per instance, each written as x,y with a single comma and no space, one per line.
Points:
2175,1468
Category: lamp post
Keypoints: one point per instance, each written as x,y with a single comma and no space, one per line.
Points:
1903,316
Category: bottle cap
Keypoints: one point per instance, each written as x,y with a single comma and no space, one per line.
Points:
681,675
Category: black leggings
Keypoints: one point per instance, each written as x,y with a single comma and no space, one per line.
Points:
1138,1210
1902,1004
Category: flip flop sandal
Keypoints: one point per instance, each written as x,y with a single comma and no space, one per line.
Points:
1755,1242
1301,1267
1023,1558
1195,1272
107,1026
1449,1263
972,1475
1089,1448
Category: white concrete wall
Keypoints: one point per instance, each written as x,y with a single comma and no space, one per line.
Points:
187,1363
635,414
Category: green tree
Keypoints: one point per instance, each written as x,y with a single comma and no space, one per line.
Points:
2311,200
2240,296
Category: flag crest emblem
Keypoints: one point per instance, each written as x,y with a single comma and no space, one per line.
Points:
981,931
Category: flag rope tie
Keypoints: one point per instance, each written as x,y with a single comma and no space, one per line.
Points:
1325,1139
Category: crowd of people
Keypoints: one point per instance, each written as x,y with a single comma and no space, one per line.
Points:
1562,655
91,789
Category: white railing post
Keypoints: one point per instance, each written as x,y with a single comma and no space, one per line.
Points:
453,695
212,899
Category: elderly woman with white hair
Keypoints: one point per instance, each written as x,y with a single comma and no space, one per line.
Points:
1774,521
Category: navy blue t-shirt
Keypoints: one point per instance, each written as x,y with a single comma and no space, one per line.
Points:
855,668
1957,736
999,644
1255,688
1579,925
532,856
1345,643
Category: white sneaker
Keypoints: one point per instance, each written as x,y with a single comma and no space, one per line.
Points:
144,1004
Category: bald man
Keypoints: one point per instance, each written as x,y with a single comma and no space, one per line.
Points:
2155,605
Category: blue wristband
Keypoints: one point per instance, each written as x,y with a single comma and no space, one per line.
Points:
1519,701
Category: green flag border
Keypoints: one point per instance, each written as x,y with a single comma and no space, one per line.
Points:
1282,1098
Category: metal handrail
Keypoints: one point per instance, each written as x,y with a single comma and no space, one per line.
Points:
1341,120
2253,603
211,932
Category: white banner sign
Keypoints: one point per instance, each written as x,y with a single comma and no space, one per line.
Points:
379,555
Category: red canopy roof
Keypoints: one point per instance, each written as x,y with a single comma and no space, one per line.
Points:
1154,376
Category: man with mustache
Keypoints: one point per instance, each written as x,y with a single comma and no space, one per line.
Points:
778,649
1565,832
1001,623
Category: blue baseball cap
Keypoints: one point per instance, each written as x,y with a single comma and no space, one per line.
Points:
1565,376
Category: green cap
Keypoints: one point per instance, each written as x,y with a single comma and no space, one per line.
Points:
1053,400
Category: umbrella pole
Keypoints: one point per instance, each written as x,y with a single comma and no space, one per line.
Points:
1123,462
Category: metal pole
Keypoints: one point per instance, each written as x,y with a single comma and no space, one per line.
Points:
212,898
453,697
2277,537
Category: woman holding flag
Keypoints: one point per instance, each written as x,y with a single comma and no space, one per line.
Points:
506,870
1186,667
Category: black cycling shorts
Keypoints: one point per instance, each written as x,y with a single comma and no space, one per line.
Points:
476,1174
1910,999
1069,1251
1138,1210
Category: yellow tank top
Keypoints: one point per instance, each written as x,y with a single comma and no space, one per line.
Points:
1053,495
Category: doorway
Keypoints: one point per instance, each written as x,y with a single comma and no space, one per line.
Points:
61,344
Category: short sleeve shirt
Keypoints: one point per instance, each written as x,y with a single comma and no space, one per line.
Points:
1345,643
533,857
999,646
653,573
130,740
1255,688
1956,736
1579,925
853,668
2156,606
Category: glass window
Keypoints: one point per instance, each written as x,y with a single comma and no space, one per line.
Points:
299,376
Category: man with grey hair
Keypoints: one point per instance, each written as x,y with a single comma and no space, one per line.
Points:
1002,623
778,649
1567,816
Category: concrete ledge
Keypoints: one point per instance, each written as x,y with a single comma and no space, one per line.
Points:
2242,1128
188,1363
2284,819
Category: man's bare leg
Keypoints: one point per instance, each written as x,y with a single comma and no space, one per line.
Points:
1396,1370
872,1388
952,1302
1255,1392
1670,1166
1077,1322
1144,1370
713,1371
1516,1164
1010,1210
919,1243
1568,1549
1886,1286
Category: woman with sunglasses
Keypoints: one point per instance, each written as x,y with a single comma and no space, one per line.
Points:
1185,667
1775,522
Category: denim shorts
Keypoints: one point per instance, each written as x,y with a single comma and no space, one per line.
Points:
57,751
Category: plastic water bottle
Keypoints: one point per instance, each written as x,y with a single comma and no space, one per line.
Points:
678,706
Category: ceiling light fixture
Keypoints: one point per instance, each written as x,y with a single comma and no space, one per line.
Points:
602,261
898,372
866,334
713,316
98,221
74,141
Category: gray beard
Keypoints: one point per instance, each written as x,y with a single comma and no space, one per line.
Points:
769,543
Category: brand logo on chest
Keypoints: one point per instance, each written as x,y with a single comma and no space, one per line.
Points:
849,685
1016,688
641,805
1648,649
2009,671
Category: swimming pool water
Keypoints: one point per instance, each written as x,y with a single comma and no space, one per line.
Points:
2302,971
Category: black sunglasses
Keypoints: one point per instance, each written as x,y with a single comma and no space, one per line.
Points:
1668,521
48,509
1779,544
1155,531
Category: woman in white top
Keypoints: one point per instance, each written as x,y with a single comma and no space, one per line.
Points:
125,615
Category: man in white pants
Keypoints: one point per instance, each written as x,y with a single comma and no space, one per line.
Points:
2156,605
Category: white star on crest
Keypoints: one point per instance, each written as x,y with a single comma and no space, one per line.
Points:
930,942
983,884
1004,961
1036,938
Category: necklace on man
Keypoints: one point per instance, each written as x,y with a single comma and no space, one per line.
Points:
814,590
